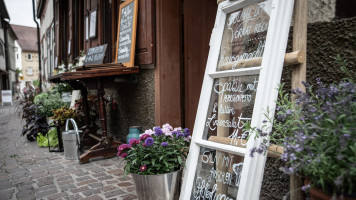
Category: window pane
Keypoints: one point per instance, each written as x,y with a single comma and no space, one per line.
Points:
231,105
244,35
217,175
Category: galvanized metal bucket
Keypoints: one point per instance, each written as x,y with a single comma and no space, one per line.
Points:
71,141
158,187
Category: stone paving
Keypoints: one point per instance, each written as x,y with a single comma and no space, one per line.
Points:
29,172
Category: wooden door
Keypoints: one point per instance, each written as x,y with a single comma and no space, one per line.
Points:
199,17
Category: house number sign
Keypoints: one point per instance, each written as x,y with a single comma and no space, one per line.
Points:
219,165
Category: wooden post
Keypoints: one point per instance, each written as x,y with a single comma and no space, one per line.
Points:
299,74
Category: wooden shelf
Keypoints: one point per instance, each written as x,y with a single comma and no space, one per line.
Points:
94,71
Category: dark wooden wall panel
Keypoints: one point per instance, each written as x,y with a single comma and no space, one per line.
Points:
145,39
199,17
168,67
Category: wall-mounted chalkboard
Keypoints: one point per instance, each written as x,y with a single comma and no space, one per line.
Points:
95,55
126,40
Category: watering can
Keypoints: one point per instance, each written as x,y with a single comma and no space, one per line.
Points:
71,141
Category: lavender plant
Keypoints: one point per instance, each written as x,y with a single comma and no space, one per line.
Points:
158,151
318,134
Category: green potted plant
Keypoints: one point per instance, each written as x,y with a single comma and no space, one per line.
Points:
318,136
157,158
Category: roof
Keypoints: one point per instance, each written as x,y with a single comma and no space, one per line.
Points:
27,37
3,10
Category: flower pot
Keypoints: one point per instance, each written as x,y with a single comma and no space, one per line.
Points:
158,187
317,194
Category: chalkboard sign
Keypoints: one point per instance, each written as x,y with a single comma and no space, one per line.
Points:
95,55
6,96
126,40
219,165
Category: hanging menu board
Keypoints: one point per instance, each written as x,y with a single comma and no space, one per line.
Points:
126,40
244,68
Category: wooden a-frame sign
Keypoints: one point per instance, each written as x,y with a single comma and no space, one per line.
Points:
219,165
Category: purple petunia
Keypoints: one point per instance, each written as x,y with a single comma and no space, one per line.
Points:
149,141
180,135
158,131
174,133
164,144
186,132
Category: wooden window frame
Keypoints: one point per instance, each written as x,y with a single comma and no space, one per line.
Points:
96,24
270,73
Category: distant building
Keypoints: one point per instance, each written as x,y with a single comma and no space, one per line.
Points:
7,52
27,40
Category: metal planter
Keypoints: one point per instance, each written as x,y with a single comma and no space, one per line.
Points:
158,187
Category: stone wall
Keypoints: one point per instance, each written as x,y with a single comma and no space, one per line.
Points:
321,10
135,105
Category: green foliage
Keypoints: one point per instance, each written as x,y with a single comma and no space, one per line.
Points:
40,98
48,102
346,69
61,87
36,83
52,138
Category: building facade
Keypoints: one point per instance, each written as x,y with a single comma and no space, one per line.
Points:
171,51
8,78
28,54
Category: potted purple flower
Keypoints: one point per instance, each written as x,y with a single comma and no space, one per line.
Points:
156,160
318,136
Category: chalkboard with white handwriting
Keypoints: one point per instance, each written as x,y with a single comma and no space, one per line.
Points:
95,55
127,33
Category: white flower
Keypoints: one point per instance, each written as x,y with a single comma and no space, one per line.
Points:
149,132
178,129
188,138
167,126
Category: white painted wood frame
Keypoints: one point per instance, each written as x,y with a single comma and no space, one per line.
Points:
270,73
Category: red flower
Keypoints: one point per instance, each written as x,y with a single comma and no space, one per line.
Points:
144,136
123,147
133,141
123,155
143,168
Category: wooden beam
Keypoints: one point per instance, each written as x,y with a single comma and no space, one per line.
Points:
293,58
299,74
274,151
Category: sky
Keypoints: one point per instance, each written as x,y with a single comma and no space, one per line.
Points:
21,12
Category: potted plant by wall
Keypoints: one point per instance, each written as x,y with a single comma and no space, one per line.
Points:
156,161
318,136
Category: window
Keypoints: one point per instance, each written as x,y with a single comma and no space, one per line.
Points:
29,56
17,56
29,71
1,48
92,25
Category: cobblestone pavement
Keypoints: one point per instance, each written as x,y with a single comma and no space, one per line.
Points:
30,172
